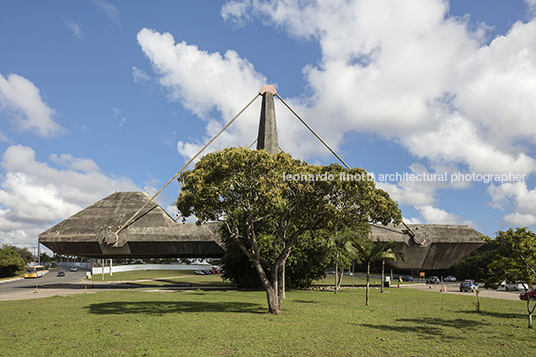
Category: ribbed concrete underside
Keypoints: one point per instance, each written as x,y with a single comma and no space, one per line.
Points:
434,246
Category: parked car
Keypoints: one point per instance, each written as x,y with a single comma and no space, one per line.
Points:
407,278
74,269
61,273
516,285
450,278
432,280
397,277
468,285
530,294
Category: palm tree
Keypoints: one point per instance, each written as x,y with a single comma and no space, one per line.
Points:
344,253
388,257
378,251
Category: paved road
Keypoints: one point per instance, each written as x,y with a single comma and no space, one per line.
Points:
74,283
454,288
47,285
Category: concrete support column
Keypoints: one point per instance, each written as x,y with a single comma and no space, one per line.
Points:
267,138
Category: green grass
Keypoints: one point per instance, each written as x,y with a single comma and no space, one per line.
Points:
143,275
402,322
159,278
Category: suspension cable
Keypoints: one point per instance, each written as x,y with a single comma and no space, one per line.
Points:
312,131
412,234
187,164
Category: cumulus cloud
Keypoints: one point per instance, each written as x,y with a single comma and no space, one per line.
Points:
35,195
405,71
516,196
401,69
22,104
433,215
204,82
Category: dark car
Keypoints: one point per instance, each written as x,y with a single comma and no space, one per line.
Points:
531,295
468,285
61,273
407,278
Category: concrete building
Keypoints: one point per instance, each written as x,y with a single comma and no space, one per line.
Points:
153,233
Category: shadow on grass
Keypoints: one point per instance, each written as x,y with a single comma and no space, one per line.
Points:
429,326
500,315
168,307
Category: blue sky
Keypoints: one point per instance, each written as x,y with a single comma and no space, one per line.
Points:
101,96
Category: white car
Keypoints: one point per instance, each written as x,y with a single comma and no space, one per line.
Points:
517,285
450,278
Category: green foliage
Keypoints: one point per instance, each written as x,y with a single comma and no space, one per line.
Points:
514,258
24,253
261,208
306,263
10,262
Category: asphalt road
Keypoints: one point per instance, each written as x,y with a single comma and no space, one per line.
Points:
46,285
73,283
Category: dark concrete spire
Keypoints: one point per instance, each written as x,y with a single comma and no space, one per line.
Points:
267,138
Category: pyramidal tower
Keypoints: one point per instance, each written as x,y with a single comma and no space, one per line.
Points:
267,138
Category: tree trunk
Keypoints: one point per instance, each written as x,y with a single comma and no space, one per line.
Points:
530,311
273,292
283,282
274,302
368,279
336,272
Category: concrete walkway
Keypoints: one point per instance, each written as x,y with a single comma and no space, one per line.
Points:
455,289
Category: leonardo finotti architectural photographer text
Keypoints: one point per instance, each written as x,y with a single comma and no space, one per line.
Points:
406,176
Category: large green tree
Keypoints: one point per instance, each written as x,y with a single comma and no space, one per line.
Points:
10,262
277,199
514,260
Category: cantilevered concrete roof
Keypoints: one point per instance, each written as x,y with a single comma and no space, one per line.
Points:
433,246
153,233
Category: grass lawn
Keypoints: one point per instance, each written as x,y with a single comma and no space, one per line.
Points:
163,277
401,322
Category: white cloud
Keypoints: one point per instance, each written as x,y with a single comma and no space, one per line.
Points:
109,9
139,75
518,195
74,27
204,82
34,195
405,70
21,102
458,141
433,215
